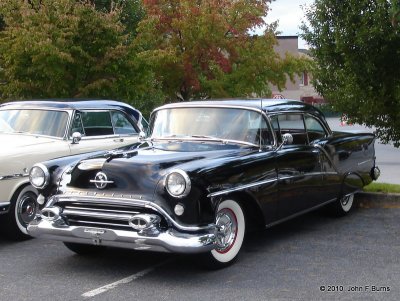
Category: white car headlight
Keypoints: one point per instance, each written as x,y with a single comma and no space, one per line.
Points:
178,183
39,176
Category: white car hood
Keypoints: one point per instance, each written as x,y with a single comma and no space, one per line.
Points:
13,143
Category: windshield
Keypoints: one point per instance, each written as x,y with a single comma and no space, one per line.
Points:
36,122
213,123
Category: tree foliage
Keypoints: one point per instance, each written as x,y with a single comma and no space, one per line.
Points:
205,48
357,53
131,12
67,48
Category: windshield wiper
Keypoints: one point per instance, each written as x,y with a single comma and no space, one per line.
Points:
207,137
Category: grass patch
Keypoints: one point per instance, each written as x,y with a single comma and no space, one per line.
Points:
382,187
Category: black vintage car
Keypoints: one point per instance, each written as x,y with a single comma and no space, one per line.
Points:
208,170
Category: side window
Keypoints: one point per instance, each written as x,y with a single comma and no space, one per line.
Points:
122,126
314,128
76,125
145,124
293,124
275,126
97,123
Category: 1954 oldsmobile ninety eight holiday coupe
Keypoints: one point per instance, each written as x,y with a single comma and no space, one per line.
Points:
34,131
207,170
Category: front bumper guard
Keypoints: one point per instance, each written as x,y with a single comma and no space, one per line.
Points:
169,240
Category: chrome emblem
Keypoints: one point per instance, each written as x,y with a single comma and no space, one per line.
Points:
101,180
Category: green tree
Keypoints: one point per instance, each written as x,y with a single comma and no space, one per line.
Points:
131,12
395,12
67,48
205,48
357,54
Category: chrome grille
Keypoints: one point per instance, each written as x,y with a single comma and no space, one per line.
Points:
102,215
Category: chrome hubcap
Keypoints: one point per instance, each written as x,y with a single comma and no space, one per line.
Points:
226,230
27,208
345,200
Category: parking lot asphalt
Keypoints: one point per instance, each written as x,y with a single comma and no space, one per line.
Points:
312,257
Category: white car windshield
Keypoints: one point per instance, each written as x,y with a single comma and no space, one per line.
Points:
35,122
232,124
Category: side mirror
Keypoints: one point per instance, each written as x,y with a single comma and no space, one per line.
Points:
287,139
142,136
76,137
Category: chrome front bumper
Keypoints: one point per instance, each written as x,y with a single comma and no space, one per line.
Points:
170,240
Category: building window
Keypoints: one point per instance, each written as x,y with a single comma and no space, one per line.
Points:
304,78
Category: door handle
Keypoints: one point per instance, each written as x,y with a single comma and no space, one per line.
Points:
119,140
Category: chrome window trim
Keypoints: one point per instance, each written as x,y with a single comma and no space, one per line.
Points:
127,202
134,123
327,129
259,183
259,110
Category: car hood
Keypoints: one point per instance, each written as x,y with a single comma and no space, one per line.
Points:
140,170
15,142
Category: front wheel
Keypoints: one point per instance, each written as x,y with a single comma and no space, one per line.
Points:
22,211
231,226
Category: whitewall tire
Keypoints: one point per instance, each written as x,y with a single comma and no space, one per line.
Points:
231,228
22,211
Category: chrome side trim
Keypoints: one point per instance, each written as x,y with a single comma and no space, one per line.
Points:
363,162
14,176
4,206
299,213
255,184
128,203
242,187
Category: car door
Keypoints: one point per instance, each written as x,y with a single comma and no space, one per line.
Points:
102,130
298,167
331,180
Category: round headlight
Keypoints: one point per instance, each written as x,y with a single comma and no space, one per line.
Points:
178,183
39,176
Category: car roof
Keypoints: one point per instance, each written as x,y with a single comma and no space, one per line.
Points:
268,105
71,104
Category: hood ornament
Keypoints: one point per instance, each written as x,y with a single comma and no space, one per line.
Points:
101,180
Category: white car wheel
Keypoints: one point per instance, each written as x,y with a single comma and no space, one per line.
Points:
230,222
346,202
23,210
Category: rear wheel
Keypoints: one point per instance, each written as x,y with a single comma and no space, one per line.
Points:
83,249
230,222
22,211
342,206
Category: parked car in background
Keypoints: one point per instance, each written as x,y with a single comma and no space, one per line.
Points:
34,131
208,171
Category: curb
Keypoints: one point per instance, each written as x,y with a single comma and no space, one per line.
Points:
377,200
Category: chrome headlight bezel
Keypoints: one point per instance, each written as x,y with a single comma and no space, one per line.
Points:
46,176
184,176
